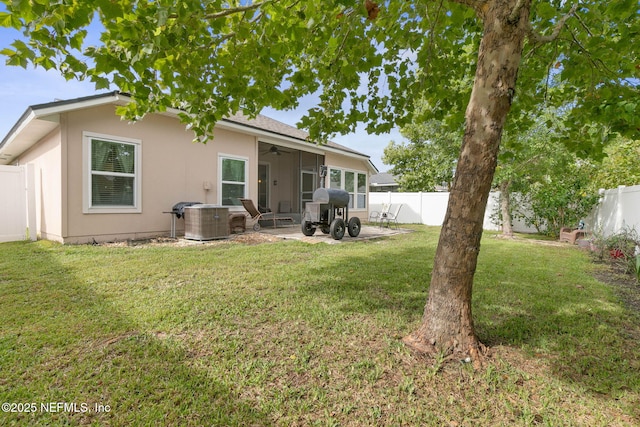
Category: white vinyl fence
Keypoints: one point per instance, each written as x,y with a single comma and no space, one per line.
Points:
17,203
430,209
618,208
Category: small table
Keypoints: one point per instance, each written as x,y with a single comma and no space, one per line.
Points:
237,220
174,215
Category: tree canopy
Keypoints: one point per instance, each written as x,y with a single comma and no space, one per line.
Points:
621,166
367,63
427,161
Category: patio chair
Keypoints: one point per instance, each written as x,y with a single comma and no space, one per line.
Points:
391,216
572,235
376,216
258,216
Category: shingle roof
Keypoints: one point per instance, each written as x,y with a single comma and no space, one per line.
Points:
271,125
383,178
260,122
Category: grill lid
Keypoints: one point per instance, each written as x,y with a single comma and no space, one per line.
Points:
178,208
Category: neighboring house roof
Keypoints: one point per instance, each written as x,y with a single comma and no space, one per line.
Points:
38,120
383,179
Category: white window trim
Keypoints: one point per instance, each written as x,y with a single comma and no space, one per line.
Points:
343,181
221,157
86,174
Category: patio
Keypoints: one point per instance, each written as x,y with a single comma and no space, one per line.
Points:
367,232
266,235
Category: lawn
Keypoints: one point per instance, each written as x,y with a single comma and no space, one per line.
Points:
294,334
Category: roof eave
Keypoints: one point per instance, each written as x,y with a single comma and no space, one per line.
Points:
39,120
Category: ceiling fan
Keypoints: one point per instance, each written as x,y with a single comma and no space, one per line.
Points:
274,150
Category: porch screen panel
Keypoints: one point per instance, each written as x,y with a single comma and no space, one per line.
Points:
349,186
353,182
335,178
362,191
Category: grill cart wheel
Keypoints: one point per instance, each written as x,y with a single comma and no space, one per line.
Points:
325,229
337,229
256,226
307,228
354,226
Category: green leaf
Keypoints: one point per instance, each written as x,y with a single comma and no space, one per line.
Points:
77,39
45,62
6,19
7,52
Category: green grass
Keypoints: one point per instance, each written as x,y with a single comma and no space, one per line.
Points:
295,334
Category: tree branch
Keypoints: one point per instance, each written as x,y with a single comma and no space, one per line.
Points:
584,25
595,61
539,38
514,16
232,34
238,9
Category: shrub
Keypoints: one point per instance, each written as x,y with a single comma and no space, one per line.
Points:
620,249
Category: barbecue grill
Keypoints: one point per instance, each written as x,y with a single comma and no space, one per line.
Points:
178,208
177,211
330,211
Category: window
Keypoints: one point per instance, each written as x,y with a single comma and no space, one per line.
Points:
233,180
112,180
335,178
354,183
361,191
349,186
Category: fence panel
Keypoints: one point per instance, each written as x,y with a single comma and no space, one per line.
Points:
426,208
618,209
17,200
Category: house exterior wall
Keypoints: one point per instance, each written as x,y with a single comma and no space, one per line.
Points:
46,158
173,168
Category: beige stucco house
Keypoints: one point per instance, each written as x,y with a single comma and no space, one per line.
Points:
101,178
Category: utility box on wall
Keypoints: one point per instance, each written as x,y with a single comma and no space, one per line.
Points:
206,222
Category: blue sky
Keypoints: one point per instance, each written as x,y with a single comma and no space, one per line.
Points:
20,88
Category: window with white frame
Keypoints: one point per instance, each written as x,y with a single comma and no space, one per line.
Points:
112,176
233,180
353,182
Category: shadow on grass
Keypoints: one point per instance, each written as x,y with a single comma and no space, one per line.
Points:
548,303
522,298
387,279
62,342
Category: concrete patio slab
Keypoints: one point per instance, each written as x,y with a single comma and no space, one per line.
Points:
367,232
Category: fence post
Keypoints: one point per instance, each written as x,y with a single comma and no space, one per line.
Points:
30,183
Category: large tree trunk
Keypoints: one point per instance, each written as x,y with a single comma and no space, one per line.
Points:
505,208
447,324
